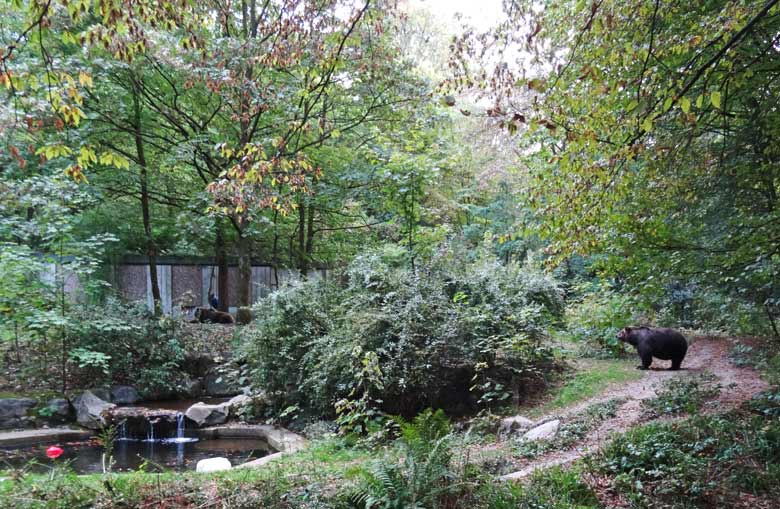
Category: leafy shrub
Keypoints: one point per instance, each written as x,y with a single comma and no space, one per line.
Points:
714,311
447,335
598,314
120,342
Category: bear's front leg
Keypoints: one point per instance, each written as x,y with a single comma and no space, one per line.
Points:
647,359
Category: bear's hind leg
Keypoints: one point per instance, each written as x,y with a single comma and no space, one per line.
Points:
676,364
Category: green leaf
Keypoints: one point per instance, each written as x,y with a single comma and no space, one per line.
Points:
685,104
715,98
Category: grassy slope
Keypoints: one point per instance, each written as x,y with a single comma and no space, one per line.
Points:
590,378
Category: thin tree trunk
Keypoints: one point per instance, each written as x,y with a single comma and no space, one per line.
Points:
244,290
302,265
772,320
309,237
223,299
151,247
275,250
243,293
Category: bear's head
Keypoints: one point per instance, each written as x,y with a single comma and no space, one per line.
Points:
624,333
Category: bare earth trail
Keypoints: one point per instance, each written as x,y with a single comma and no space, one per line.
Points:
705,355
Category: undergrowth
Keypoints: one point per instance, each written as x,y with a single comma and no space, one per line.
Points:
570,431
683,395
708,461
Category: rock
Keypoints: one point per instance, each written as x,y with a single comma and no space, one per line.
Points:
15,407
59,409
236,403
207,415
218,385
125,395
509,425
13,411
103,394
190,388
213,465
545,431
90,410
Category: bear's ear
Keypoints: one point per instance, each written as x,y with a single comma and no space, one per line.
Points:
628,329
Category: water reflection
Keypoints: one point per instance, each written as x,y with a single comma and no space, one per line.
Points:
173,454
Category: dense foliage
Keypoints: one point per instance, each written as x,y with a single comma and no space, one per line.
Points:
448,335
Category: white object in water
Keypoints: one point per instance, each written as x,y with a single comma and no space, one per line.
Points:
213,465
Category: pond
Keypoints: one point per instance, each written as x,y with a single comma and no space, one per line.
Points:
157,455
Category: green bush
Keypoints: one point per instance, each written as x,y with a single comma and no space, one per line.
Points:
716,312
597,315
116,342
449,335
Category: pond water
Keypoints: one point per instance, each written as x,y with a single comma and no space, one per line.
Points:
158,455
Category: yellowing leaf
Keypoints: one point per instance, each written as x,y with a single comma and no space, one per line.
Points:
85,79
685,104
647,125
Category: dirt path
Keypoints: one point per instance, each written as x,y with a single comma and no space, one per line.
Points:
738,384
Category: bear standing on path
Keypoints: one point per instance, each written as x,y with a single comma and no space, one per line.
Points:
665,344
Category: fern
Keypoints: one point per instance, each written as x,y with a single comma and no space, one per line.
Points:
419,471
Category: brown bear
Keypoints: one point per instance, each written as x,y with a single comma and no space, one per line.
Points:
208,315
661,343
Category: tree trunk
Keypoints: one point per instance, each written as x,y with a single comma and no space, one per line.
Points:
309,237
275,250
151,247
243,292
302,262
223,292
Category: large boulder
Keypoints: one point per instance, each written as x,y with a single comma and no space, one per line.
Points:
238,403
513,424
125,395
213,465
218,385
207,415
101,393
13,411
91,411
546,431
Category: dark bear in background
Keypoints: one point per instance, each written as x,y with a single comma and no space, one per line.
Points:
208,315
661,343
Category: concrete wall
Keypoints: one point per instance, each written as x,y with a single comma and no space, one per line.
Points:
189,284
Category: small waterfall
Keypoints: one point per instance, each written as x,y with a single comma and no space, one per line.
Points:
179,426
123,431
150,435
180,438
